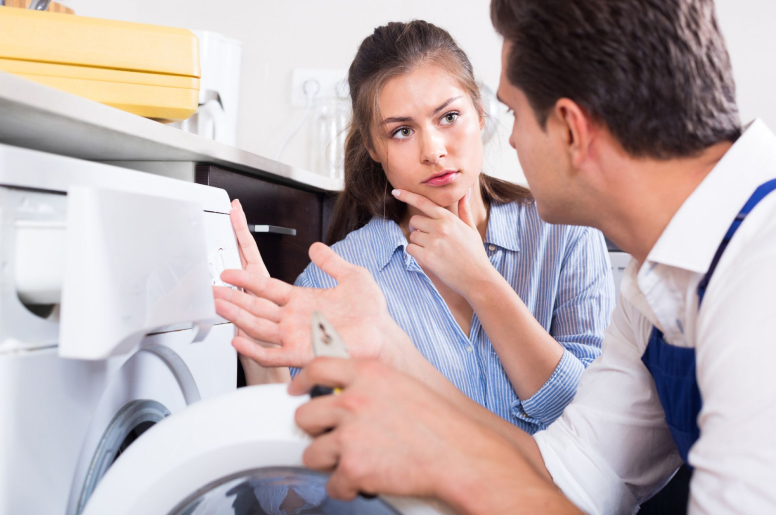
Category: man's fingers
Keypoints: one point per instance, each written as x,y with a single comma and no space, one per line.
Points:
332,372
261,286
248,248
425,205
266,356
256,328
340,485
323,453
319,415
329,261
256,306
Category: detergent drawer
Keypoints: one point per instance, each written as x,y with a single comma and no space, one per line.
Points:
280,206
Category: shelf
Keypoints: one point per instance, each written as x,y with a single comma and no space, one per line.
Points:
41,118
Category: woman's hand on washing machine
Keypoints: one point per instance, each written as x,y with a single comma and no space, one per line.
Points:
279,314
251,261
250,257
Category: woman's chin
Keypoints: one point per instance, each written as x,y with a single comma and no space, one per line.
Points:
445,196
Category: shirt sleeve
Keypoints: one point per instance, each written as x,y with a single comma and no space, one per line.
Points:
734,459
583,306
611,449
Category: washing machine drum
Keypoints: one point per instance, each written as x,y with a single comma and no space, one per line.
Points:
239,454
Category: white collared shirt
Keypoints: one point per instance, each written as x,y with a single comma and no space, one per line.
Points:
611,449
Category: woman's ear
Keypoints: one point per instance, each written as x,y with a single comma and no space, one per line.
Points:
373,155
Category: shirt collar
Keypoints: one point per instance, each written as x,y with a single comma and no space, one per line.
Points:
692,236
503,226
389,237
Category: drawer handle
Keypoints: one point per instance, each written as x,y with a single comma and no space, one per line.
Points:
274,229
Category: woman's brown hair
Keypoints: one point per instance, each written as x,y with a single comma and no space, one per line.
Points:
392,50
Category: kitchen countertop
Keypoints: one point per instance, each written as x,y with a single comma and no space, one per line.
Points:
41,118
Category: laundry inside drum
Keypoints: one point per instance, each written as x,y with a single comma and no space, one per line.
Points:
275,491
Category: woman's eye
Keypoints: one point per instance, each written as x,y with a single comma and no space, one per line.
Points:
450,118
402,133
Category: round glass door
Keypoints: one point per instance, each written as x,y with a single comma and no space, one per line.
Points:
275,491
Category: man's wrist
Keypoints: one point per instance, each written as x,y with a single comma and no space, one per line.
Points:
491,476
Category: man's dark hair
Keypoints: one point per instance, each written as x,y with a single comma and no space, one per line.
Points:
656,73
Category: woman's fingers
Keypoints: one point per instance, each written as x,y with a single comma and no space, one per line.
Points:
260,285
465,210
417,252
425,205
423,223
420,238
248,249
256,306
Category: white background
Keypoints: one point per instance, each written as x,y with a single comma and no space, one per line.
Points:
280,35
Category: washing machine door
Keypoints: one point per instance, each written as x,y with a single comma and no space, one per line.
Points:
241,454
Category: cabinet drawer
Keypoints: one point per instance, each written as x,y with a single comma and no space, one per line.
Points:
266,203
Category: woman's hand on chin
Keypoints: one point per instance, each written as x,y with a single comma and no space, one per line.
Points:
279,314
447,245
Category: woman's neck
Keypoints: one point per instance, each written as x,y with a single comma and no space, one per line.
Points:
479,208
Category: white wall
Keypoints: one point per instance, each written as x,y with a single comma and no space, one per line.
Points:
280,35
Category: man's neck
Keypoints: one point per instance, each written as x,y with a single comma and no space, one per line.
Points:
648,195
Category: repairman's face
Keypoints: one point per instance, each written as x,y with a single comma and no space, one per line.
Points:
541,155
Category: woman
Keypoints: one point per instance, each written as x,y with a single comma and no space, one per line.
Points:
510,309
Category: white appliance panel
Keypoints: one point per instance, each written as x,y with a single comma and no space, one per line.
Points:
134,263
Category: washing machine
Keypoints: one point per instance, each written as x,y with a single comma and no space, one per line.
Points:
117,378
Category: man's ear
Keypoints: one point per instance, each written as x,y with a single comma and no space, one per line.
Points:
573,125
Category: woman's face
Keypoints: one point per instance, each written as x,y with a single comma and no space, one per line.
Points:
428,135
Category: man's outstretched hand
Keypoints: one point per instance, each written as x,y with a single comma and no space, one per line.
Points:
277,313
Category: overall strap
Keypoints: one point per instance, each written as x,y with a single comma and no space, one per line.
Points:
759,194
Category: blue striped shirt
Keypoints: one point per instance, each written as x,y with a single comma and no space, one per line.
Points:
562,274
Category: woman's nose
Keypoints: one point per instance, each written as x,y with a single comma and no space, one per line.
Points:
433,149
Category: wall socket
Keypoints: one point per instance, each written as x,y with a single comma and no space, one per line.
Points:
332,84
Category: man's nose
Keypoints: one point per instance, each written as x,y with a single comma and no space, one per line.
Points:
433,148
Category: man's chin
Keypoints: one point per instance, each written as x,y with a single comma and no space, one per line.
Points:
552,215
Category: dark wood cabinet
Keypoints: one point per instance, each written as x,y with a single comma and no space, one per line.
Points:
268,203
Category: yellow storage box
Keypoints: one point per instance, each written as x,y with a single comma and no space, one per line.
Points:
147,70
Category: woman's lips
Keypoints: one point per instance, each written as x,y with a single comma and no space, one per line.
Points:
442,180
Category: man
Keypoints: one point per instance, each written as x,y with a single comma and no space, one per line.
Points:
625,120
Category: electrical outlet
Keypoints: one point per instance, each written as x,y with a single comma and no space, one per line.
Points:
331,84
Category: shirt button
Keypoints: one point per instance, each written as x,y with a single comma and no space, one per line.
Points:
491,247
469,349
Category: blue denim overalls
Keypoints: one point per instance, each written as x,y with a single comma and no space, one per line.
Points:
673,368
